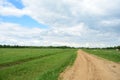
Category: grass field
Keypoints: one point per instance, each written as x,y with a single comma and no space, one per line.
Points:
110,54
42,64
34,64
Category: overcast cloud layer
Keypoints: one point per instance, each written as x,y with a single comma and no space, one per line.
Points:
88,23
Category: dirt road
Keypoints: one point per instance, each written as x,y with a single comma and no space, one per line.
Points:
89,67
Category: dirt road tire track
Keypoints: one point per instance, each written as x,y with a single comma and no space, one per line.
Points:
89,67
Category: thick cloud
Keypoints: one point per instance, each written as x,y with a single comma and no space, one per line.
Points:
70,12
86,23
76,36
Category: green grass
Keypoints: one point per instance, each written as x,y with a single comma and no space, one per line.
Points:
16,54
46,68
109,54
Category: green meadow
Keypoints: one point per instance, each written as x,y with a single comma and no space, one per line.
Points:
109,54
34,64
43,64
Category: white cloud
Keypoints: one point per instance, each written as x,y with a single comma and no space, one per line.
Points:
8,9
16,34
11,11
79,35
69,12
70,23
77,30
108,23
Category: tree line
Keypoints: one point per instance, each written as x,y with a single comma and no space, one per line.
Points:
18,46
114,47
62,47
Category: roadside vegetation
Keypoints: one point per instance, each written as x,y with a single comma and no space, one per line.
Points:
110,54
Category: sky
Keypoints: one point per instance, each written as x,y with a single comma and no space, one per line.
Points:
75,23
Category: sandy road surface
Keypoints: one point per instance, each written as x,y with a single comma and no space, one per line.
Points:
89,67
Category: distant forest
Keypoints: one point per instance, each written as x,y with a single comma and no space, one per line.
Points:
115,47
63,47
17,46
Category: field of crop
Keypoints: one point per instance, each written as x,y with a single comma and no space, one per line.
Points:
110,54
34,64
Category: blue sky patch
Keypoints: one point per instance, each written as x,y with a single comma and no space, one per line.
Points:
17,3
24,21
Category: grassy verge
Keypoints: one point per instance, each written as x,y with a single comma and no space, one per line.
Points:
109,54
47,68
53,74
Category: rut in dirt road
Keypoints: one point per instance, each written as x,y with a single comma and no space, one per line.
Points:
89,67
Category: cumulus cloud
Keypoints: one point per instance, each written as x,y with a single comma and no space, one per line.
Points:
110,25
69,12
113,22
71,22
8,9
77,36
